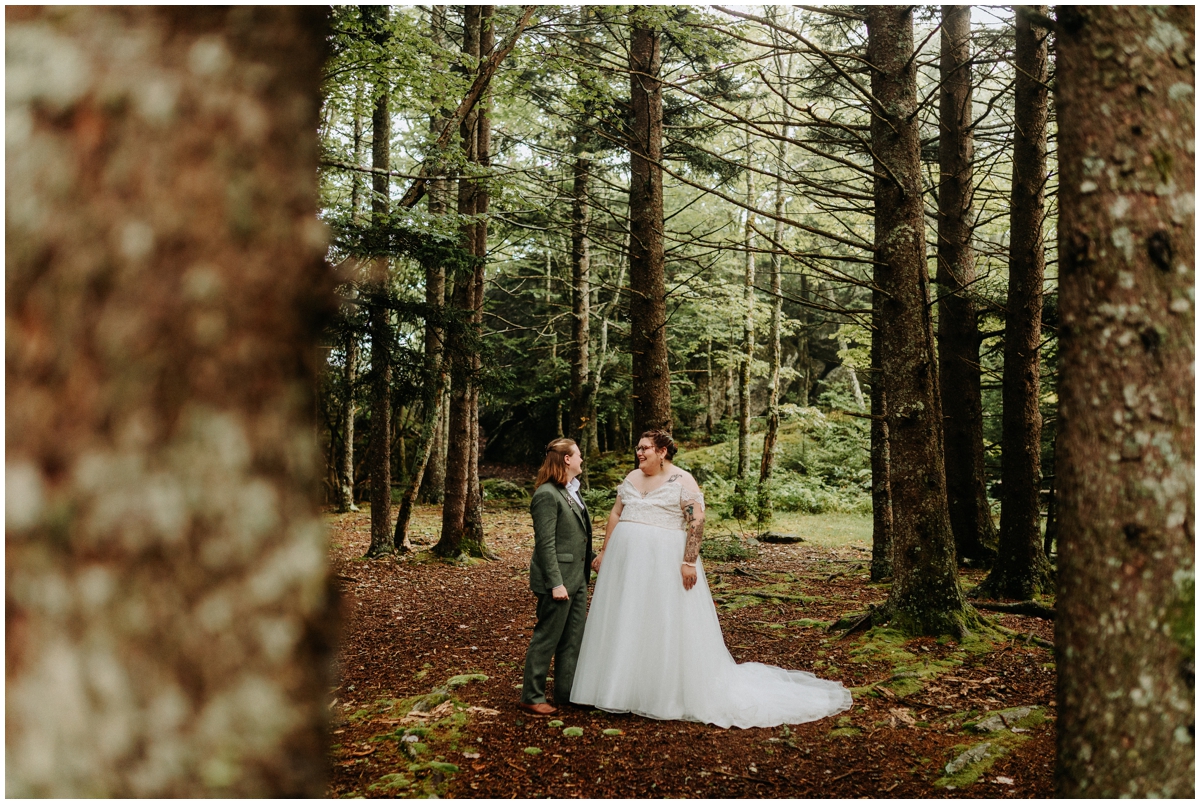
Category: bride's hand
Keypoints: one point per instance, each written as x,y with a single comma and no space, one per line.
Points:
596,561
689,576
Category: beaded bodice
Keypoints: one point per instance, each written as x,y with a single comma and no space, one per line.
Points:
662,507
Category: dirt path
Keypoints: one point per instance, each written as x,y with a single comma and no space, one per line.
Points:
414,715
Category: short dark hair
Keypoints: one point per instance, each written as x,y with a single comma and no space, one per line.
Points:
661,440
554,466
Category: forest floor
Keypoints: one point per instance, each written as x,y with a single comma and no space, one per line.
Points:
430,663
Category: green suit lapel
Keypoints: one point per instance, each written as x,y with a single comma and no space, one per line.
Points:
574,506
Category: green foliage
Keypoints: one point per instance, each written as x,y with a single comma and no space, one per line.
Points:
495,488
823,465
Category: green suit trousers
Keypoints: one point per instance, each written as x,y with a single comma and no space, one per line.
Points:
556,636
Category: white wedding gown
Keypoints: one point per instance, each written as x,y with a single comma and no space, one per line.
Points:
652,648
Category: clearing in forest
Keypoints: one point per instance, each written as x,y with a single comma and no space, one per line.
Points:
430,661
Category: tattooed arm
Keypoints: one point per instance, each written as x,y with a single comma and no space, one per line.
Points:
692,502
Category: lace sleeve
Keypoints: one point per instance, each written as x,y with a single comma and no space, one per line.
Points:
688,497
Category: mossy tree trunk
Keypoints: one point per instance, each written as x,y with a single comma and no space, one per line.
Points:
168,615
958,327
1022,569
925,597
1125,469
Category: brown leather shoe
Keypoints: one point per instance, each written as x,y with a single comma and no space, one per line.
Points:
540,709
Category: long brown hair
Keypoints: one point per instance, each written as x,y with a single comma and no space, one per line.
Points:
554,467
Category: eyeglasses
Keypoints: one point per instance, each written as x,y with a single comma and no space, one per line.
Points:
640,448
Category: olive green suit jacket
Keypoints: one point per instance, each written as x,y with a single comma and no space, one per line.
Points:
562,540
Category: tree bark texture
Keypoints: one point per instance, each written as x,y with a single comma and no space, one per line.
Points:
741,501
434,480
958,327
881,485
771,434
647,261
380,432
583,395
804,359
345,458
925,597
474,543
168,615
1022,569
459,341
1126,461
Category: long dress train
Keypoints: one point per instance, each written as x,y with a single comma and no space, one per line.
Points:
652,648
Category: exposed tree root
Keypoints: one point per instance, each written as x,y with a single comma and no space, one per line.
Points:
1028,608
1027,638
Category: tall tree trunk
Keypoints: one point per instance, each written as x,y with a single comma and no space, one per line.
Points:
958,327
474,543
708,389
771,435
926,597
459,340
1022,569
380,448
162,274
647,283
741,502
1126,463
345,457
582,392
602,355
434,480
881,484
804,359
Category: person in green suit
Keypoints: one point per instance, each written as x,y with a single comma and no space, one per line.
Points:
558,576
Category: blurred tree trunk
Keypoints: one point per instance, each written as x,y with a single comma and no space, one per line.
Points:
1022,569
647,283
958,327
168,616
1126,467
741,501
926,597
460,343
380,433
434,480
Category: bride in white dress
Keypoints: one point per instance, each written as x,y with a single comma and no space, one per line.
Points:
652,644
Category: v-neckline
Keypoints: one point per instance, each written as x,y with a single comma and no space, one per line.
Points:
646,494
